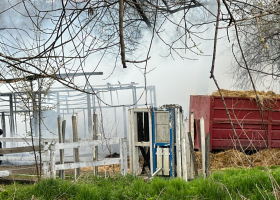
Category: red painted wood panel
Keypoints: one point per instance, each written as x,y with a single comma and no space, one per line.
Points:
246,117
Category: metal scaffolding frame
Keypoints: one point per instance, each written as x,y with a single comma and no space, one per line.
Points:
69,101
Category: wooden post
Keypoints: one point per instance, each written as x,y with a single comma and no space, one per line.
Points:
95,148
3,123
52,162
193,154
202,140
130,132
123,156
61,151
63,130
192,127
75,139
207,154
178,142
46,163
185,153
189,163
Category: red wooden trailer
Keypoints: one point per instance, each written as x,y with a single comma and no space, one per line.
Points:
245,114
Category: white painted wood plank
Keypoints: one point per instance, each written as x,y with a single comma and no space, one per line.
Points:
151,141
159,159
4,173
184,150
130,134
192,127
142,144
52,162
166,163
140,110
122,156
86,143
82,159
20,158
49,140
189,164
178,142
135,150
110,161
46,163
202,136
125,156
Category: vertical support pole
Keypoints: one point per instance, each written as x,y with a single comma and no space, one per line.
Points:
202,140
12,131
75,139
112,103
134,95
3,128
95,148
58,104
124,122
52,162
89,115
193,155
93,103
155,98
46,163
123,156
151,97
61,151
67,105
207,154
178,142
36,125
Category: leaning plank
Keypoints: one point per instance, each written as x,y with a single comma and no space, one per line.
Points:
86,143
193,155
202,140
18,150
27,170
110,161
207,154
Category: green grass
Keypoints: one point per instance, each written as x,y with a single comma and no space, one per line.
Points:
221,185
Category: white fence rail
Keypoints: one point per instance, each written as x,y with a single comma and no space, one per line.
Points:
50,145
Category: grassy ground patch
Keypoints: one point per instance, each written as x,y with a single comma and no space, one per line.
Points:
227,184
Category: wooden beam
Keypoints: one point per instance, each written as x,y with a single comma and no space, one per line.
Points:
193,155
110,161
18,150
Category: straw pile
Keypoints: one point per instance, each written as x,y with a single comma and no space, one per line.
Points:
269,98
233,158
249,94
230,158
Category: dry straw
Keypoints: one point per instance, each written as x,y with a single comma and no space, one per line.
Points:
263,96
